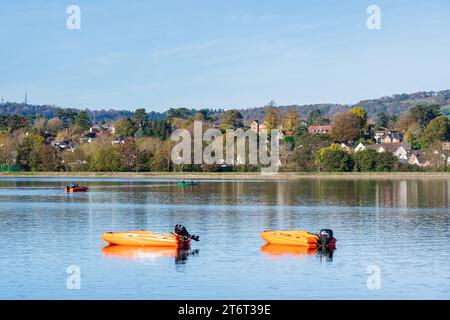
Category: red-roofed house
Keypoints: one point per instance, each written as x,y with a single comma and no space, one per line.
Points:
320,129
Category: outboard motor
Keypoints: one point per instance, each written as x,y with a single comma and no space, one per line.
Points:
182,232
325,236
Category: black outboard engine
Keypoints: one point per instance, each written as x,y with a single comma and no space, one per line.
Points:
182,232
325,236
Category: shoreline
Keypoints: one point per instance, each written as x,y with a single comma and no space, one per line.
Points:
231,175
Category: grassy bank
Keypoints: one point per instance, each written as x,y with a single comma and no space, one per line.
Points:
232,175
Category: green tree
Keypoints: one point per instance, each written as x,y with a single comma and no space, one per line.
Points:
124,127
366,160
107,158
315,116
381,121
424,114
334,158
307,145
231,120
82,120
437,130
28,152
346,127
386,161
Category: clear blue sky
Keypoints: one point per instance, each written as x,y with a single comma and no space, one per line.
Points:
204,53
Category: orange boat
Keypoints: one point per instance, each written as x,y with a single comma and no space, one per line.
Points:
75,189
145,238
300,238
180,239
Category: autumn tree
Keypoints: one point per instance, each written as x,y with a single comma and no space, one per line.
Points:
360,112
271,118
292,120
8,147
54,125
346,127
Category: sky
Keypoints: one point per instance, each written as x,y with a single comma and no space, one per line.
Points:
220,54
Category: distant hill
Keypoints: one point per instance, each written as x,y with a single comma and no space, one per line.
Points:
392,105
50,111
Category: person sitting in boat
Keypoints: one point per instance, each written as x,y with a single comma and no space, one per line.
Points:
192,182
183,182
73,185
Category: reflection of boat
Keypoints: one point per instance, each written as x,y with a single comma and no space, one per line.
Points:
288,250
146,253
277,250
300,238
180,239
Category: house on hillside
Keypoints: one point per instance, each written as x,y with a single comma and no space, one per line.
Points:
390,138
321,129
400,150
378,134
346,146
257,127
418,158
64,145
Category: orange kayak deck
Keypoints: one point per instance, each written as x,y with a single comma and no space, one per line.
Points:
144,238
291,237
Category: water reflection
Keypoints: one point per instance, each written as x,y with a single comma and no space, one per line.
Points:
271,250
147,254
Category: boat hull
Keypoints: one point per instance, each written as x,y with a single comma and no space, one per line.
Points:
291,238
77,189
145,238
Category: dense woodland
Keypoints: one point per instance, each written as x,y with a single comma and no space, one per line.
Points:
48,138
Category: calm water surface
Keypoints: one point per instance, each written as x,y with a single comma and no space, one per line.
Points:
400,226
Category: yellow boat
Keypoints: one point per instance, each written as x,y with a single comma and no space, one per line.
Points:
145,238
291,237
180,239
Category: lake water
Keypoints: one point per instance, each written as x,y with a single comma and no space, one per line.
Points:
395,231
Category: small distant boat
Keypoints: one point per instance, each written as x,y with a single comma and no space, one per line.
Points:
302,238
75,188
180,239
187,183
